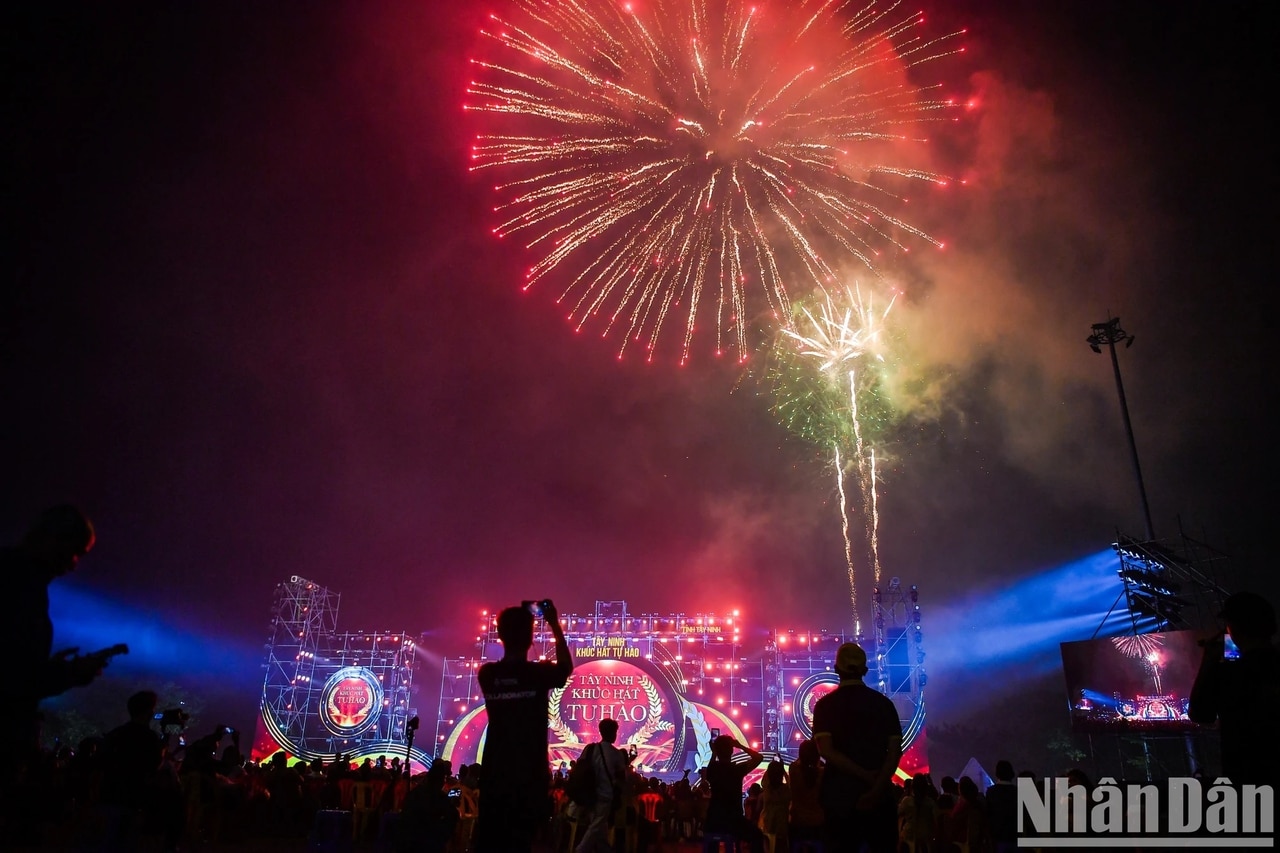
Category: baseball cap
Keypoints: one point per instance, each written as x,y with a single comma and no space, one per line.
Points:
851,659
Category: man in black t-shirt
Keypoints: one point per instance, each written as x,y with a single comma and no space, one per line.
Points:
859,736
515,781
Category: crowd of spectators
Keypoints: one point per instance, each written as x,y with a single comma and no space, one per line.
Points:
128,790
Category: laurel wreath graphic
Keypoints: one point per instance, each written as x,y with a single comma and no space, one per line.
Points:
568,738
701,731
653,721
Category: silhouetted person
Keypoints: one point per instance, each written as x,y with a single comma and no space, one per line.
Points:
775,804
50,549
340,768
285,814
918,814
609,763
203,755
966,824
514,791
806,781
724,810
1002,809
428,816
858,734
950,793
1242,695
136,791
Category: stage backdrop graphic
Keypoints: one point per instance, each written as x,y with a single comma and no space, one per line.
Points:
670,729
673,683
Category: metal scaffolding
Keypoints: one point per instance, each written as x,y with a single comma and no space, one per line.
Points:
800,665
307,656
1168,585
304,615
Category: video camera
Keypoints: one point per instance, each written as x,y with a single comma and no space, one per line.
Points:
101,657
172,717
104,655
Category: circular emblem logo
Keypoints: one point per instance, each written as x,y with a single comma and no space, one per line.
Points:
352,700
807,695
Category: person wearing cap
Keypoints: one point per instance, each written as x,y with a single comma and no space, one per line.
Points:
858,734
1242,695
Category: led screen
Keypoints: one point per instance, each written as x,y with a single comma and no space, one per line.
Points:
1138,683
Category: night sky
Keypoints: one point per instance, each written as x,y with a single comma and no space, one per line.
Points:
256,326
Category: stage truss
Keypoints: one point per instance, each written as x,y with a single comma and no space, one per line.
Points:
304,614
328,692
703,675
675,680
799,670
1168,585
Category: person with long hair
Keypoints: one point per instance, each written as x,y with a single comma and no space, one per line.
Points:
775,804
918,815
806,808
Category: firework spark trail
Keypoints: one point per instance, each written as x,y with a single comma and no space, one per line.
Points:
684,152
837,339
866,477
1138,645
848,541
1144,647
873,514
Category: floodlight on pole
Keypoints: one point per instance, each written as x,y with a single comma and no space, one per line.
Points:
1110,333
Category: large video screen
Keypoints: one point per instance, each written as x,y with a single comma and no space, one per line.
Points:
1131,683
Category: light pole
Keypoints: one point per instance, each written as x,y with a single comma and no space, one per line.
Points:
1110,333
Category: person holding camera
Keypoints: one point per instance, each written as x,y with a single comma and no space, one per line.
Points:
202,756
203,777
516,776
135,789
50,549
1241,695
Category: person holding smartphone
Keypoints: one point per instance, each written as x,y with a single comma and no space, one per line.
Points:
1242,695
515,775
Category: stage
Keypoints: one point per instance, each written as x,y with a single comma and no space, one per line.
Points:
673,681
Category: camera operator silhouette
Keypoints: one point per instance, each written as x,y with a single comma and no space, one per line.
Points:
51,548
